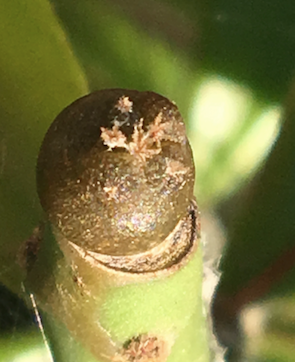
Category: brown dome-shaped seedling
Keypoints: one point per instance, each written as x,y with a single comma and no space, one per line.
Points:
115,172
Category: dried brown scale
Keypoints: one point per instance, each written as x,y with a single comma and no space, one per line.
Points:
115,173
27,253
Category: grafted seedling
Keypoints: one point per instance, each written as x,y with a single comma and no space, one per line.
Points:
115,177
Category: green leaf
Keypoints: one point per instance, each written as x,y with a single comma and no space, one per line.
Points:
117,52
39,76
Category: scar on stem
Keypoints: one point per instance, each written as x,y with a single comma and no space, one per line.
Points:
143,348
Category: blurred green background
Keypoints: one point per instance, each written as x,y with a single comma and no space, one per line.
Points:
229,67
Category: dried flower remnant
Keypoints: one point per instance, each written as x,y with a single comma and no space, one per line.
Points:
157,129
144,144
114,137
124,105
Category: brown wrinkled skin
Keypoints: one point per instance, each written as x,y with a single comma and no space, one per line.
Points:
115,172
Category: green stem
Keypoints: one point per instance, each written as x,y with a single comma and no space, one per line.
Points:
92,311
